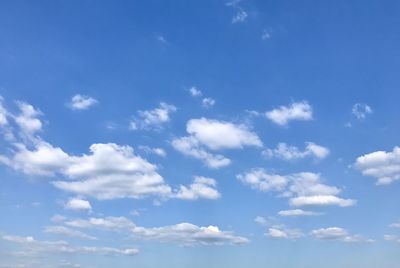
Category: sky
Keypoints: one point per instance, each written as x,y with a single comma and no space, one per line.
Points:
199,134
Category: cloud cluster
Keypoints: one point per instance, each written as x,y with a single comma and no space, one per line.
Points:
287,152
385,166
302,189
206,102
296,111
361,110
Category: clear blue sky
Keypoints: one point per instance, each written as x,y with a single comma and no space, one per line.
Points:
200,134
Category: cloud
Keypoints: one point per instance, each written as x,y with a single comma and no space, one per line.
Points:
296,111
240,15
339,234
218,135
153,119
27,120
195,92
202,187
395,225
33,246
81,102
287,152
385,166
297,212
391,238
208,102
280,232
261,220
62,230
186,234
157,151
78,204
361,110
303,188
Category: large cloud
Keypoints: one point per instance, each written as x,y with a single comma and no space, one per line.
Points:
385,166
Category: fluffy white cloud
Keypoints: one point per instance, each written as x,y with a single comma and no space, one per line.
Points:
202,187
303,188
297,212
62,230
336,233
33,246
191,146
287,152
28,120
3,113
183,233
78,204
208,102
261,220
280,232
81,102
218,135
153,118
296,111
361,110
385,166
195,92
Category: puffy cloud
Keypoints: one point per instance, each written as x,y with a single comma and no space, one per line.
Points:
3,113
28,120
208,102
195,92
33,246
183,233
280,232
218,135
261,220
296,111
81,102
157,151
297,212
191,146
385,166
303,188
336,233
202,187
78,204
361,110
62,230
153,118
287,152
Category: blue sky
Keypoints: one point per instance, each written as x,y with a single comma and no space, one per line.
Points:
199,134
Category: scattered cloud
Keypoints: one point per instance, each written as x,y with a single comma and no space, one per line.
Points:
161,39
266,34
261,220
361,110
202,187
296,111
339,234
81,102
287,152
385,166
153,119
78,204
62,230
281,232
297,213
302,189
157,151
195,92
208,102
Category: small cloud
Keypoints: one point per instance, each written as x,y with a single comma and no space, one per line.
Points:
78,204
208,102
161,39
266,34
81,102
195,92
296,111
361,110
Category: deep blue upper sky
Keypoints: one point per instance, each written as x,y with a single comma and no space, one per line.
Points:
199,134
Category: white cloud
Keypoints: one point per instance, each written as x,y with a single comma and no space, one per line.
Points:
303,188
266,35
157,151
58,218
33,246
183,233
280,232
297,212
385,166
62,230
296,111
336,233
81,102
153,118
240,15
3,113
261,220
208,102
395,225
221,134
27,119
195,92
78,204
391,238
287,152
361,110
202,187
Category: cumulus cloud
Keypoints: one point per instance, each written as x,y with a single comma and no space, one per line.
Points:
279,232
336,233
32,246
78,204
296,111
28,120
385,166
195,92
186,234
361,110
153,119
202,187
287,152
62,230
81,102
208,102
302,189
297,212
